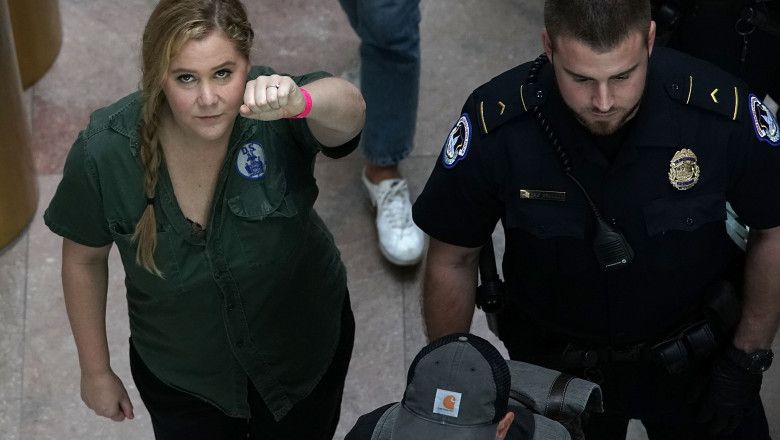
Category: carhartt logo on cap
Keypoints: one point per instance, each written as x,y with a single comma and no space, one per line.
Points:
447,403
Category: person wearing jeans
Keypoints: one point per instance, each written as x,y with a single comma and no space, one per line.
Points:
389,80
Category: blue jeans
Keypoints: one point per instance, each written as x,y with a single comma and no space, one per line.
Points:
389,31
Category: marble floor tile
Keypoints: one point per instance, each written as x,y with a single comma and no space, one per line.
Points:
343,202
463,46
98,63
376,373
300,36
13,280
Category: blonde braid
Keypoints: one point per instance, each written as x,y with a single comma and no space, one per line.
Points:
151,157
171,24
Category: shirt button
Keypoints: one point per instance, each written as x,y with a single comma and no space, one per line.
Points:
240,343
675,87
230,307
217,275
689,221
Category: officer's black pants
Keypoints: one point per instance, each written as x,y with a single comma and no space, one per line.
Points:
606,427
180,416
661,401
638,390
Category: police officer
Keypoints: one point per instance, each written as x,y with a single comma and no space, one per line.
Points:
609,164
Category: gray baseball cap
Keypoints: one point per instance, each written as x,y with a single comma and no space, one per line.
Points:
457,389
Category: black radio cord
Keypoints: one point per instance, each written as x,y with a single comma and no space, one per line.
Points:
612,249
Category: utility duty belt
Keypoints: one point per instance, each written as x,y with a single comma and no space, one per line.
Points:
675,352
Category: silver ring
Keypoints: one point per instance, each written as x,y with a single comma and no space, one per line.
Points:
272,85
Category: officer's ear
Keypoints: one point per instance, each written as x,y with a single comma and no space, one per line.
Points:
547,42
504,424
650,38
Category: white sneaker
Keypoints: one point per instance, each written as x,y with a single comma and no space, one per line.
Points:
400,240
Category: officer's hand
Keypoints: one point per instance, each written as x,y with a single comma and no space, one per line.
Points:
269,98
732,392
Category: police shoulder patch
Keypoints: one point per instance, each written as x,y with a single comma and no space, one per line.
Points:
457,145
764,122
250,161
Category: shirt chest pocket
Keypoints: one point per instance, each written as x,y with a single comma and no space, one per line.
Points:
264,218
684,230
550,234
546,221
165,257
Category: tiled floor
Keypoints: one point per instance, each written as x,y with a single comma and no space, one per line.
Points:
464,43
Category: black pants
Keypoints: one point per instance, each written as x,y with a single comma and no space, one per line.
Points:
180,416
610,427
638,390
644,391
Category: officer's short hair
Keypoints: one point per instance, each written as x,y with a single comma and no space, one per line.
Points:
601,24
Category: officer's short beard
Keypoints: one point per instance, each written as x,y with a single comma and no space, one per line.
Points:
604,128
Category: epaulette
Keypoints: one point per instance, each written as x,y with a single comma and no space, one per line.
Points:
506,97
704,86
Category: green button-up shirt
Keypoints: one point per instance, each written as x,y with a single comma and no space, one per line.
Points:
259,298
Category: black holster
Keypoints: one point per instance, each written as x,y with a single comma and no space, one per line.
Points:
491,294
721,311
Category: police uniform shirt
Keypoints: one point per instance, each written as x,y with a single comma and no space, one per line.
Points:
258,299
698,140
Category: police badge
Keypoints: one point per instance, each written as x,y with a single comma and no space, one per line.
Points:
683,170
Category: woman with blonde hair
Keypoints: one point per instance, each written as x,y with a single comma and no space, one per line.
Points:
239,312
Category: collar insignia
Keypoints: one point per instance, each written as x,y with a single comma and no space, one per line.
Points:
683,170
250,161
764,121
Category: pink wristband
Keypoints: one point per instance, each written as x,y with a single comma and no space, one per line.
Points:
306,109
